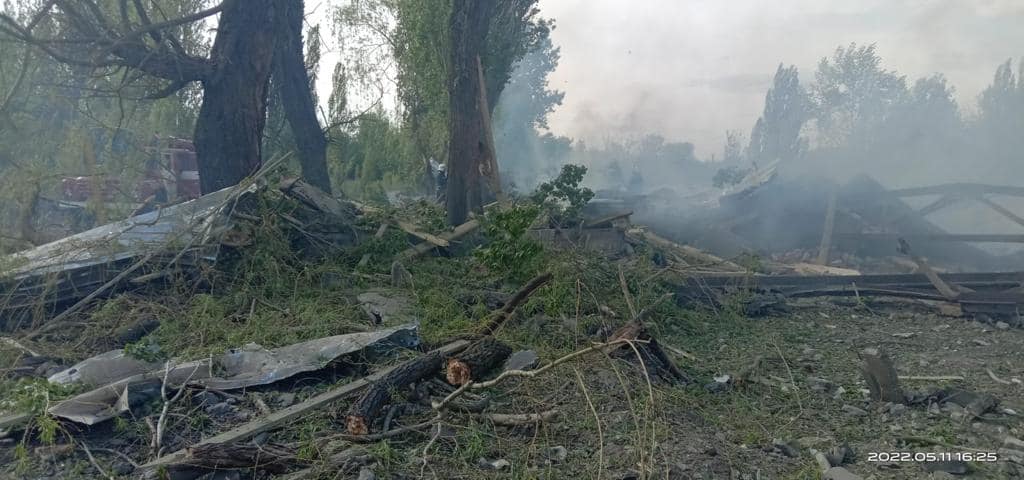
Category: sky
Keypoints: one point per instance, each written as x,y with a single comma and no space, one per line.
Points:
690,70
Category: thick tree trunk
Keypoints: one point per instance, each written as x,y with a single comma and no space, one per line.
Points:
229,129
292,80
468,25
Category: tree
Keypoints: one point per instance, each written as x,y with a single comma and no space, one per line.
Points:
468,24
776,135
852,94
112,37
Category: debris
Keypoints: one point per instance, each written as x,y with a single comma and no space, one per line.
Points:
955,467
422,248
556,454
840,455
840,473
246,367
521,360
283,416
496,465
400,277
854,411
880,376
785,448
384,307
426,237
366,473
904,335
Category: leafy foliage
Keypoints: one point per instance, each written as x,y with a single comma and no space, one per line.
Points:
564,198
510,251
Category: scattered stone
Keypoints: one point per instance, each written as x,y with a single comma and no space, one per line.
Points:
1002,325
522,360
496,465
220,409
785,448
955,467
1013,443
205,398
897,409
366,473
981,342
840,473
840,455
557,454
400,276
285,399
904,335
880,375
854,411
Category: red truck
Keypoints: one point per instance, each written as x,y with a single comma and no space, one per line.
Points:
171,176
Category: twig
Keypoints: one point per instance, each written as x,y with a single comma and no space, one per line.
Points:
993,376
938,378
93,461
161,423
626,294
597,420
514,419
121,455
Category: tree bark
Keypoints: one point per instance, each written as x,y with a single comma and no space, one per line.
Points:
229,129
292,80
468,25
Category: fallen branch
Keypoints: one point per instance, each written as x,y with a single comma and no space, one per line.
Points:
515,419
363,411
426,237
92,460
422,248
497,319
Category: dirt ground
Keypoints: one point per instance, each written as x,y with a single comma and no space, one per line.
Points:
794,386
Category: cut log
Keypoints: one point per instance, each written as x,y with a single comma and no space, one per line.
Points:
880,375
364,410
474,362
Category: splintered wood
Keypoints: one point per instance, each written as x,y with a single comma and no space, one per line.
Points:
479,358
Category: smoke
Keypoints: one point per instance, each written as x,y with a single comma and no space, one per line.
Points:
690,71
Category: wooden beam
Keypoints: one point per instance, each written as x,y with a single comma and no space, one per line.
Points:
426,237
422,248
287,415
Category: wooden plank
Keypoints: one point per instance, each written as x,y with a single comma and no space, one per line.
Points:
606,221
826,234
289,414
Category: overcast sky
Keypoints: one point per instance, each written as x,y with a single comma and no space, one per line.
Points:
691,69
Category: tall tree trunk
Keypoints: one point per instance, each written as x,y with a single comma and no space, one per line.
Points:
468,25
292,81
230,124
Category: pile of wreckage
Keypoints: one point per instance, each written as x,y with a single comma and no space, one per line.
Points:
43,288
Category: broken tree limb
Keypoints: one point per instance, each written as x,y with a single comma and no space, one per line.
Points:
497,319
426,237
476,360
515,419
294,412
880,375
654,358
363,411
422,248
204,458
